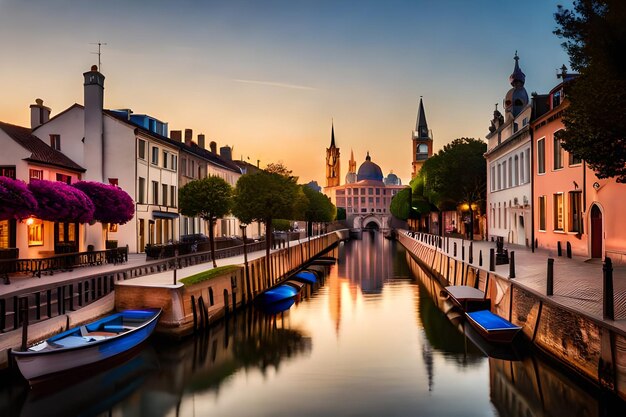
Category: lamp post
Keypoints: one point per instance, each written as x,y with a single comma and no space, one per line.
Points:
243,227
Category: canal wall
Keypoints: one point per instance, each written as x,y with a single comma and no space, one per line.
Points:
187,308
587,345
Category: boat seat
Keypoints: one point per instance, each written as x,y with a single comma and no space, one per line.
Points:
105,334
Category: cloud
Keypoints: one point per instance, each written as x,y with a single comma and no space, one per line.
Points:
275,84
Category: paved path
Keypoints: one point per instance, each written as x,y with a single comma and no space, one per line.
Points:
577,281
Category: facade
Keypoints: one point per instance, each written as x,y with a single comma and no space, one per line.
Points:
25,157
508,166
422,141
571,205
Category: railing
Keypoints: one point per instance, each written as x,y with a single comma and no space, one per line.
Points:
64,262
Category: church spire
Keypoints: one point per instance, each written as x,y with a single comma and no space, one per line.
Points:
517,74
421,127
332,134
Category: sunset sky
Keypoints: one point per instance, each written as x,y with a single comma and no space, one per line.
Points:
268,76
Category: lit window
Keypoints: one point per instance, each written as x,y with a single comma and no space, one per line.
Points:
35,232
575,212
35,174
558,211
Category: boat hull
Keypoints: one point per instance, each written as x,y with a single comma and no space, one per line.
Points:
37,365
305,276
493,328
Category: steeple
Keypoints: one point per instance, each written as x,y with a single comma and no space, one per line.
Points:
421,127
332,161
352,162
332,134
517,97
517,75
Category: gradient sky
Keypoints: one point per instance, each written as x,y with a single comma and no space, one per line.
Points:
268,76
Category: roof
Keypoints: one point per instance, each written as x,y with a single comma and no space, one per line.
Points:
246,167
40,151
194,148
421,118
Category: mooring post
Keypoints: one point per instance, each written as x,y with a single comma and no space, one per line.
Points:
455,249
462,251
512,264
550,283
568,249
24,313
448,244
559,251
492,259
471,252
480,257
608,310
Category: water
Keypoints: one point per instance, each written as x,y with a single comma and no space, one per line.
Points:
370,342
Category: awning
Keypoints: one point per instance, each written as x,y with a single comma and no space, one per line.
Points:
164,215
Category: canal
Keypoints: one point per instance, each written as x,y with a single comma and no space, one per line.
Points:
369,342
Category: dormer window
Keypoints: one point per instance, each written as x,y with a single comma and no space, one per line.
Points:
55,142
556,99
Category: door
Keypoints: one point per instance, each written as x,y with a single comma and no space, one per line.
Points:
596,232
142,235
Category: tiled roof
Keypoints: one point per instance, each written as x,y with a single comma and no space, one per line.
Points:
40,151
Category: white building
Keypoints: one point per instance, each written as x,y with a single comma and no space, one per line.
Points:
508,166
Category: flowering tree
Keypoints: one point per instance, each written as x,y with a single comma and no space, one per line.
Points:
112,204
60,202
16,200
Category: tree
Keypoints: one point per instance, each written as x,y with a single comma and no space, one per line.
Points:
209,198
16,200
262,197
400,205
111,203
594,34
60,202
319,208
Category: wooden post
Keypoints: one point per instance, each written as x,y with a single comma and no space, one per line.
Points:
608,310
568,249
462,252
550,283
480,257
24,312
471,252
512,265
492,260
559,250
454,249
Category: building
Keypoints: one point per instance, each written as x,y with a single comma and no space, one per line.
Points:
24,157
333,171
571,205
508,165
422,140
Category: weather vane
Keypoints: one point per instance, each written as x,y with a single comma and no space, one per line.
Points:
98,53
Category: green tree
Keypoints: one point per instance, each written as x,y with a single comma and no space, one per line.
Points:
400,205
262,197
319,209
209,198
594,34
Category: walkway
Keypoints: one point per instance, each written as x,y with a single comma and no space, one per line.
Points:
577,281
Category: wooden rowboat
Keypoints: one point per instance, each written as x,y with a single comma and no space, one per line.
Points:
493,327
467,298
85,345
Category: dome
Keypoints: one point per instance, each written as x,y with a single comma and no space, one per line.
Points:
369,171
350,177
392,179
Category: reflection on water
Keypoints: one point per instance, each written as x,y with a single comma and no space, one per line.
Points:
370,342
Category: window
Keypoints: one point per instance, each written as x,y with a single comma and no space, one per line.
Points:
504,182
510,171
575,212
183,166
556,99
173,196
493,178
558,154
164,196
541,156
516,172
165,159
155,155
114,181
574,160
35,174
141,191
499,177
155,192
64,178
174,162
558,211
370,191
55,142
7,171
527,165
542,212
141,151
35,232
522,167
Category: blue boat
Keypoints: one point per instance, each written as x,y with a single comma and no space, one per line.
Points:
493,327
87,344
306,276
279,293
278,307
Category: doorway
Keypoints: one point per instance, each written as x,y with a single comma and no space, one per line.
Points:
596,232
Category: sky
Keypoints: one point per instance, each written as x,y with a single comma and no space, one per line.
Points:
269,77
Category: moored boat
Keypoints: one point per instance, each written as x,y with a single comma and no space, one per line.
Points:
493,327
278,293
87,344
467,298
305,276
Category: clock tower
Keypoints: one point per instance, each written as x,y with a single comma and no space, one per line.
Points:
422,141
332,161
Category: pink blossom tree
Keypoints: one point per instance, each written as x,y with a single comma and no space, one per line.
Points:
16,200
60,202
112,204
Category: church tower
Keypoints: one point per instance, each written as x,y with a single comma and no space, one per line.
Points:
422,141
332,161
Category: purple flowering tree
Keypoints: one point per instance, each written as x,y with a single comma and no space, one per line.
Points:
16,200
112,204
60,202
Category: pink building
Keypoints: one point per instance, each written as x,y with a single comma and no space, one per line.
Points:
571,205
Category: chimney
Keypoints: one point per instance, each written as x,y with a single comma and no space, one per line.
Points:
213,146
188,136
93,158
225,153
201,140
176,135
39,114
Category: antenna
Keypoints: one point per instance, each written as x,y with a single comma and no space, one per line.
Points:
98,53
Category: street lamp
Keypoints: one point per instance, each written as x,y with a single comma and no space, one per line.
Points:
243,227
